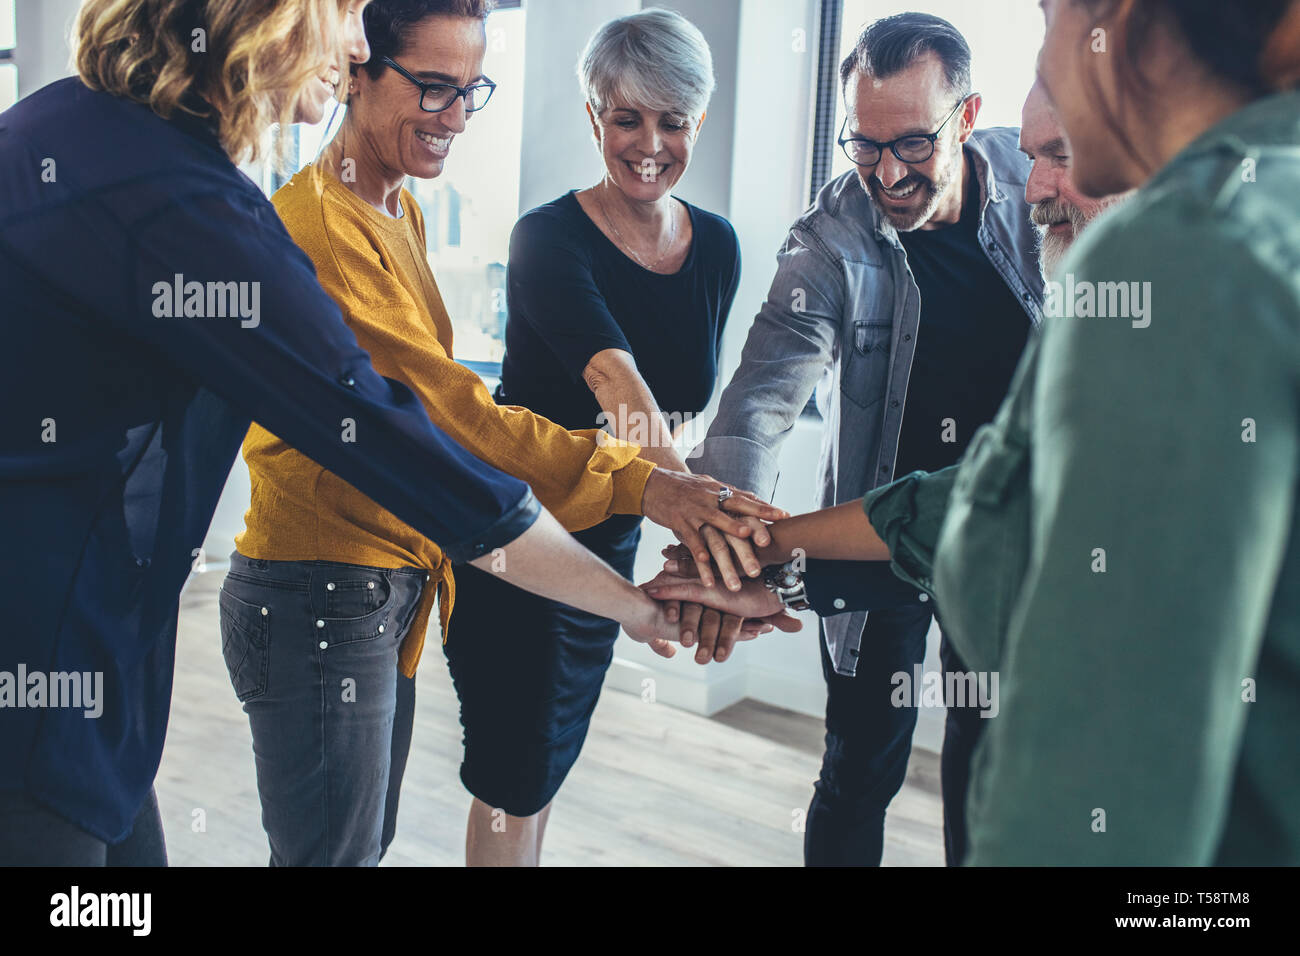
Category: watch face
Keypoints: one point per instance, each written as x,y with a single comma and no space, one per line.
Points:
787,579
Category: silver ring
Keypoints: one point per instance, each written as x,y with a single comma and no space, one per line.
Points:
724,494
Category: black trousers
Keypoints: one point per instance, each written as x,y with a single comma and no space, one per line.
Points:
31,835
869,741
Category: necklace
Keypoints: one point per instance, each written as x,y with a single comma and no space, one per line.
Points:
626,246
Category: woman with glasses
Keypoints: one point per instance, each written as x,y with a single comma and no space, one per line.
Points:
617,296
352,585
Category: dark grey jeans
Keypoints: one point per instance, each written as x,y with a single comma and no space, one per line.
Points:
311,648
32,835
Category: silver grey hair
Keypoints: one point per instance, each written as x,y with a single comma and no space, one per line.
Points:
655,60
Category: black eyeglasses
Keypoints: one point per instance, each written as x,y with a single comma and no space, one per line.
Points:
436,97
916,148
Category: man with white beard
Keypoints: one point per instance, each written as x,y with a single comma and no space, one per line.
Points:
1059,210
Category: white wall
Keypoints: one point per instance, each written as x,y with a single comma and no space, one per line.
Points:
43,53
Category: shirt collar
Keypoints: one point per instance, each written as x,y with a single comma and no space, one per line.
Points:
1270,121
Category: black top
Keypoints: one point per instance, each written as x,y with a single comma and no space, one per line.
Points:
972,332
128,390
572,293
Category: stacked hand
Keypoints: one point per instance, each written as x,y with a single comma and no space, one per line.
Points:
711,530
713,619
718,533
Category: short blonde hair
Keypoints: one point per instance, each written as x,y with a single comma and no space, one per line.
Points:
256,58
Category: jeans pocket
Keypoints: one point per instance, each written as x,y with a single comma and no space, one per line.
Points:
355,592
361,604
245,644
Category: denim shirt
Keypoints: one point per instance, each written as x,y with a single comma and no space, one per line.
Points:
844,305
1121,546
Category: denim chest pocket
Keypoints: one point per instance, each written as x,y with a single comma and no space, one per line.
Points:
866,363
245,644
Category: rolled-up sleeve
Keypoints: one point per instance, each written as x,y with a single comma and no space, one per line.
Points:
907,514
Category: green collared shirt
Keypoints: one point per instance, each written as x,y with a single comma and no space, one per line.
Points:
1121,544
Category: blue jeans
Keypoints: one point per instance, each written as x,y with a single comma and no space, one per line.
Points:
311,649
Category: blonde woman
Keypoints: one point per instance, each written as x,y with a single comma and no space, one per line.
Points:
155,305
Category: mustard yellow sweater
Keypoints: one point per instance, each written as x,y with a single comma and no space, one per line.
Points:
376,269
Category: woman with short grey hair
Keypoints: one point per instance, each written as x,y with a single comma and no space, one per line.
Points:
617,296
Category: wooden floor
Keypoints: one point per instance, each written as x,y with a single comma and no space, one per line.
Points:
655,786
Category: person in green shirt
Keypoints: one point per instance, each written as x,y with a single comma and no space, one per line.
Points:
1121,546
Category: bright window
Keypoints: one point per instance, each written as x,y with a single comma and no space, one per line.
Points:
1004,37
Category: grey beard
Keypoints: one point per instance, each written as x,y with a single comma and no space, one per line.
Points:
933,191
1051,250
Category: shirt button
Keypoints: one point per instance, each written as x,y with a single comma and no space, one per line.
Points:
324,644
348,380
371,585
894,403
265,612
381,628
923,597
330,586
839,604
907,337
320,623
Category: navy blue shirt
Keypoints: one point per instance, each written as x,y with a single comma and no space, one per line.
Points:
972,332
572,293
120,424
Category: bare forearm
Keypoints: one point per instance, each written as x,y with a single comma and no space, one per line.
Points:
546,560
841,533
630,408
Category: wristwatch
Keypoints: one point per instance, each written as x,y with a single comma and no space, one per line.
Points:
787,584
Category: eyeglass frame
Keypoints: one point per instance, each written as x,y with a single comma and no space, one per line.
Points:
462,92
892,145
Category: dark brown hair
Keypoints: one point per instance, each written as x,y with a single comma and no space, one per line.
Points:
1253,47
388,21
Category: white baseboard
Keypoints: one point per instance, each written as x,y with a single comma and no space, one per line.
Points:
698,697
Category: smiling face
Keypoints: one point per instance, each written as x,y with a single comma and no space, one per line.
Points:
913,101
645,151
386,113
316,96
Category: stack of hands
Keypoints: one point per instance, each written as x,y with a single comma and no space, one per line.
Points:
701,590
